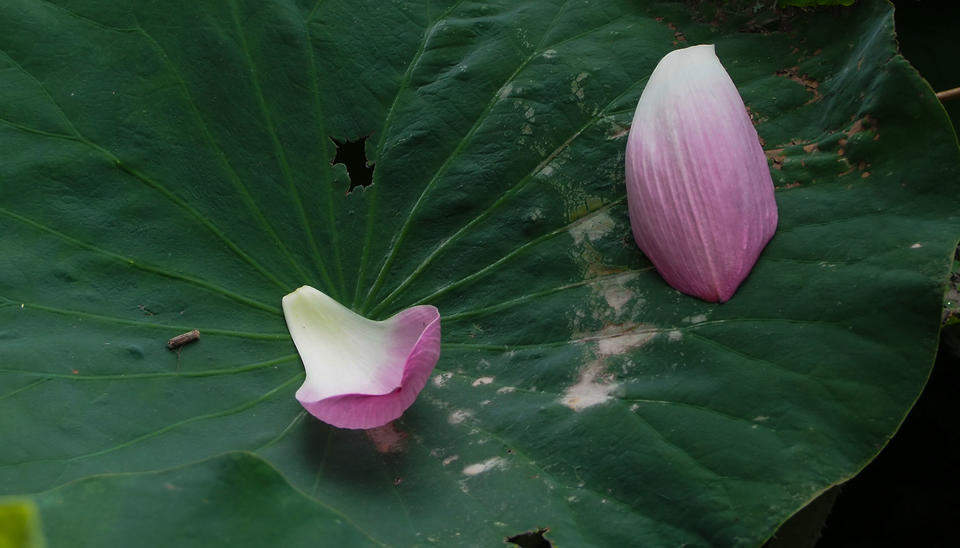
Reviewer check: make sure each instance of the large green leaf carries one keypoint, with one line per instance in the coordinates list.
(166, 166)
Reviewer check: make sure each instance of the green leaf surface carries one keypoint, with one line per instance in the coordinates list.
(166, 166)
(235, 499)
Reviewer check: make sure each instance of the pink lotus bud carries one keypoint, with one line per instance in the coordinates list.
(360, 373)
(698, 186)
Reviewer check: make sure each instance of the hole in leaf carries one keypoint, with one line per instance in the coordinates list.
(353, 155)
(531, 539)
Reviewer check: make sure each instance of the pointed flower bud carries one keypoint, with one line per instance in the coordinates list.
(360, 373)
(698, 186)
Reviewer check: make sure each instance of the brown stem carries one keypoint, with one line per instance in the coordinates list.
(948, 94)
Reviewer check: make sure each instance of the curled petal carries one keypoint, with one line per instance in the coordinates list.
(699, 190)
(360, 373)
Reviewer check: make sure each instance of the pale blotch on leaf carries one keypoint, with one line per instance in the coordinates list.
(485, 466)
(592, 228)
(594, 385)
(459, 416)
(482, 381)
(588, 391)
(615, 340)
(615, 294)
(576, 87)
(441, 379)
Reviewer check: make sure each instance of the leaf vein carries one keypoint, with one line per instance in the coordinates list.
(159, 432)
(517, 251)
(164, 191)
(134, 323)
(503, 198)
(142, 266)
(404, 83)
(232, 174)
(280, 153)
(405, 227)
(158, 375)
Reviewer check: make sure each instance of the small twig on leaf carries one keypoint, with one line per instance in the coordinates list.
(180, 340)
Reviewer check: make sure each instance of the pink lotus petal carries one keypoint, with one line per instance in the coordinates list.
(360, 373)
(698, 186)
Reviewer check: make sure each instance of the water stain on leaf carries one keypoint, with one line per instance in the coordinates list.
(387, 438)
